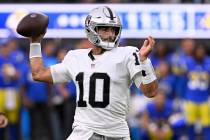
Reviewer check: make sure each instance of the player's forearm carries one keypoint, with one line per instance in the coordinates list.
(149, 83)
(149, 90)
(39, 71)
(37, 67)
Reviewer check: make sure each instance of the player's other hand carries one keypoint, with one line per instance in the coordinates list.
(3, 121)
(36, 39)
(146, 49)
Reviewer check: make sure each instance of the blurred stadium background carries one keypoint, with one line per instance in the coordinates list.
(181, 58)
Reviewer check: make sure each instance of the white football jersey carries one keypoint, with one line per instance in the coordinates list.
(102, 87)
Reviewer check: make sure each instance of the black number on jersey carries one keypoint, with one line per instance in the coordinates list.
(80, 78)
(92, 90)
(136, 59)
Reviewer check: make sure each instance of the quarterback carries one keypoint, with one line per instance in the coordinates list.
(102, 74)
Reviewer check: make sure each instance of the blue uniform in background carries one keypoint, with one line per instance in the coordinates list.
(39, 113)
(198, 81)
(35, 91)
(9, 91)
(163, 114)
(197, 94)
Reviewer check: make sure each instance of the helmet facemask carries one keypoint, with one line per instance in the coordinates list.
(111, 41)
(98, 18)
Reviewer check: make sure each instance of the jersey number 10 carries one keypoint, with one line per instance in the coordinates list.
(92, 90)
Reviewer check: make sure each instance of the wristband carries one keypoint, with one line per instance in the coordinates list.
(148, 73)
(35, 50)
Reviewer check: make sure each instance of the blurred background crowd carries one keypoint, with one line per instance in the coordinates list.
(38, 111)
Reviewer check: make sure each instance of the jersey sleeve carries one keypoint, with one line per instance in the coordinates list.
(133, 63)
(137, 79)
(60, 72)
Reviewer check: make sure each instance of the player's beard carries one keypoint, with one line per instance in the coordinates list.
(109, 39)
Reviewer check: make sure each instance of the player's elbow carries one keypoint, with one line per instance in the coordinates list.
(42, 76)
(35, 76)
(150, 94)
(150, 90)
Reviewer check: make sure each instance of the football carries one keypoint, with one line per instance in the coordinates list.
(33, 25)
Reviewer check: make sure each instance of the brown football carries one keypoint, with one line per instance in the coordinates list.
(33, 24)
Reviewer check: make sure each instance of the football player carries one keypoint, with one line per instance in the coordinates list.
(196, 105)
(102, 75)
